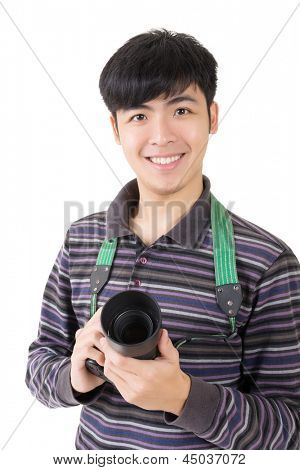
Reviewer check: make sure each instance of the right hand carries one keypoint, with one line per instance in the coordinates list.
(87, 339)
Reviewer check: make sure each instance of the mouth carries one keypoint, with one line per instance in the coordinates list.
(163, 164)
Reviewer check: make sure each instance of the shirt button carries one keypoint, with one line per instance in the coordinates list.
(137, 282)
(143, 260)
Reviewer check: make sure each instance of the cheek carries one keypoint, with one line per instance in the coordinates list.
(199, 131)
(133, 149)
(132, 144)
(194, 131)
(198, 138)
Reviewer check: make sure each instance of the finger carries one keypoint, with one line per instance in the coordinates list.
(98, 356)
(127, 377)
(94, 321)
(97, 314)
(77, 333)
(128, 364)
(89, 338)
(89, 353)
(115, 377)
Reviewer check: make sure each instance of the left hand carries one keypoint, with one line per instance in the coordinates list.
(153, 384)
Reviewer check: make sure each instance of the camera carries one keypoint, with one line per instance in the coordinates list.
(131, 322)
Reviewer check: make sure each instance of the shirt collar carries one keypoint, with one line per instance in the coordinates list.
(188, 232)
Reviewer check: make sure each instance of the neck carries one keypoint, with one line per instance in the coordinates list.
(156, 214)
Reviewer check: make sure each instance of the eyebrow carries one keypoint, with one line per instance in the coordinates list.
(176, 99)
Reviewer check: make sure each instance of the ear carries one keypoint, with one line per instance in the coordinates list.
(214, 117)
(115, 129)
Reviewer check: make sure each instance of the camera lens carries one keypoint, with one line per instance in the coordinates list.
(131, 321)
(131, 327)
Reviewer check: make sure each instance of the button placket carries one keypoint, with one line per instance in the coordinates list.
(141, 260)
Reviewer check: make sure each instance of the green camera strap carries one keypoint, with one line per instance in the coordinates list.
(228, 289)
(101, 271)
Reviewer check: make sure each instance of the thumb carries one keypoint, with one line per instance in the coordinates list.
(95, 318)
(98, 312)
(165, 344)
(77, 333)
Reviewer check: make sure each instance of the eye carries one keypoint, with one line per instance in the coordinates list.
(132, 119)
(184, 109)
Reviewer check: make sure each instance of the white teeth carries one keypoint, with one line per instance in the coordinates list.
(165, 161)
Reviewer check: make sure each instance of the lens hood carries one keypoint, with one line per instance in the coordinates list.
(131, 322)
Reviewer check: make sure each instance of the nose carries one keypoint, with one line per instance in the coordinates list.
(161, 132)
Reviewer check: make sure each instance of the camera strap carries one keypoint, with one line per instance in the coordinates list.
(228, 289)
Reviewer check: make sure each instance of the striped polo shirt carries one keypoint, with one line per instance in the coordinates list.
(245, 389)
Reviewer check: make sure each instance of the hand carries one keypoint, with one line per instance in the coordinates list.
(157, 384)
(87, 340)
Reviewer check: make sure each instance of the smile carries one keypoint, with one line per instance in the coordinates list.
(168, 163)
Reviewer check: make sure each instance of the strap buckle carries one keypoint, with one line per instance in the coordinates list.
(99, 277)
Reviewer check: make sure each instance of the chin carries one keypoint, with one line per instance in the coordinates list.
(165, 187)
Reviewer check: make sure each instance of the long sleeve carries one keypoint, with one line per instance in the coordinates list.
(264, 413)
(49, 363)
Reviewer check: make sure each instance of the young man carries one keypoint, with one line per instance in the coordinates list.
(241, 392)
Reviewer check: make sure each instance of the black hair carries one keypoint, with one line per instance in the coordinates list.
(154, 63)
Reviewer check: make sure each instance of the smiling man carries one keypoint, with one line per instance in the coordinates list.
(164, 141)
(239, 386)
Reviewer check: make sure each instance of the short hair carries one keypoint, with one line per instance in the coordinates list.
(154, 63)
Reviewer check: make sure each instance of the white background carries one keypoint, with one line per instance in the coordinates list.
(55, 135)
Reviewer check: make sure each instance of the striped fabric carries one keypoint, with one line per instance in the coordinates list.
(245, 391)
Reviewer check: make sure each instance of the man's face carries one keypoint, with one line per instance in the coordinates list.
(161, 127)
